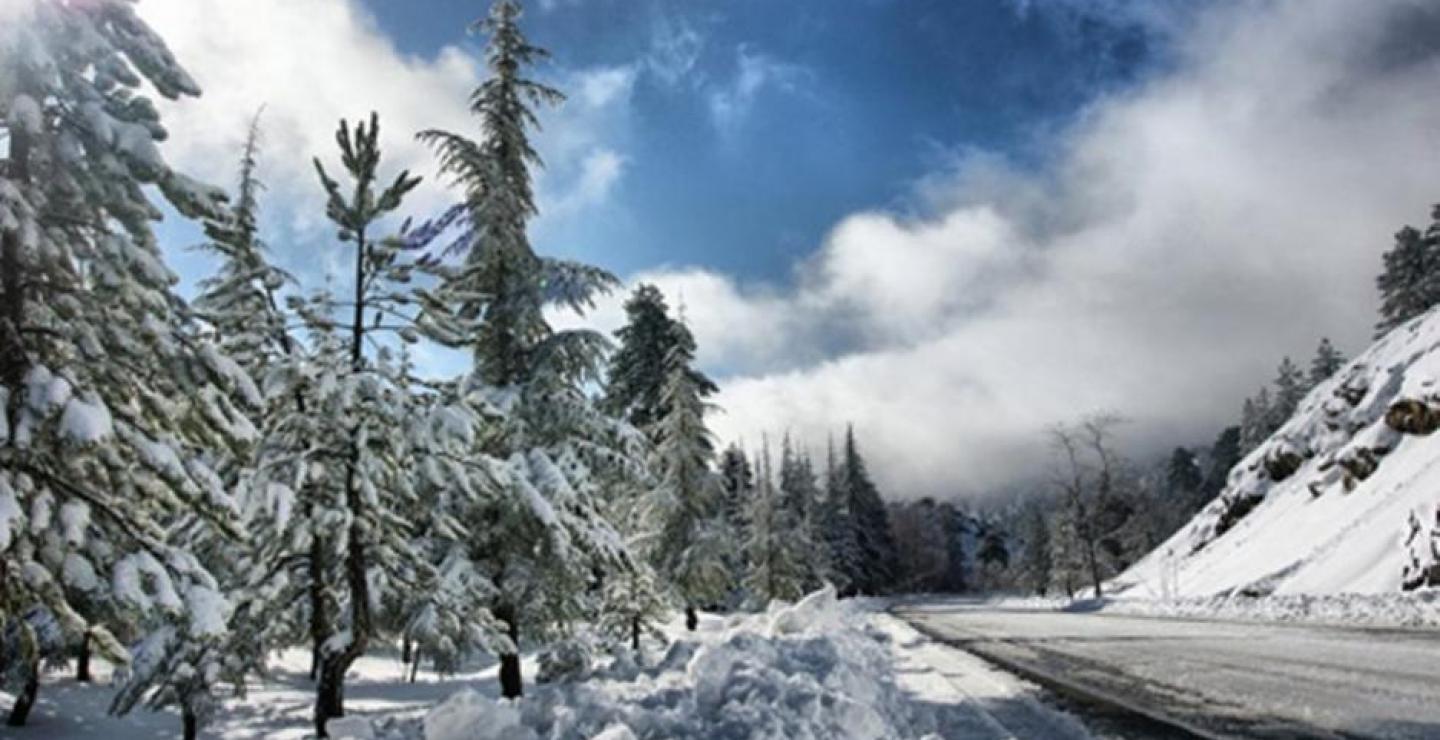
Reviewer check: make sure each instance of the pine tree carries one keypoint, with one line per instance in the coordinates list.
(543, 539)
(1037, 557)
(1326, 363)
(241, 306)
(1408, 284)
(636, 379)
(113, 406)
(1182, 474)
(1257, 421)
(869, 521)
(841, 545)
(1290, 390)
(774, 566)
(690, 549)
(737, 487)
(1224, 455)
(799, 499)
(369, 395)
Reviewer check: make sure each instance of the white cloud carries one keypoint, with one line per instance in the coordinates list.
(1190, 233)
(675, 48)
(731, 103)
(311, 63)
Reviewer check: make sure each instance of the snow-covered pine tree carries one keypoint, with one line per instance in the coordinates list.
(875, 547)
(1257, 421)
(799, 495)
(840, 543)
(113, 408)
(1290, 390)
(1408, 283)
(1327, 362)
(636, 379)
(692, 539)
(543, 540)
(370, 476)
(737, 487)
(774, 566)
(242, 307)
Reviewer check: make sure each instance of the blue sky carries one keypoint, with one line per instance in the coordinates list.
(847, 105)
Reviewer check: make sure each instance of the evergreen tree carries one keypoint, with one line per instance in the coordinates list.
(370, 401)
(840, 541)
(542, 540)
(1408, 284)
(114, 409)
(798, 500)
(737, 489)
(636, 380)
(690, 549)
(1327, 362)
(1257, 421)
(1036, 559)
(1182, 474)
(1290, 390)
(1225, 454)
(869, 521)
(774, 565)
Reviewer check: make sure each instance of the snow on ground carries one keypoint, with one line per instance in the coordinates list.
(1420, 609)
(821, 668)
(971, 698)
(279, 708)
(1333, 491)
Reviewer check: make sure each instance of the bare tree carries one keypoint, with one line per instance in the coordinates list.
(1083, 482)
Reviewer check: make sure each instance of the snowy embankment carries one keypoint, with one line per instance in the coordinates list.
(1340, 500)
(820, 668)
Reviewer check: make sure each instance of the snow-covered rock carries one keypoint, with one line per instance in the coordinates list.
(1341, 499)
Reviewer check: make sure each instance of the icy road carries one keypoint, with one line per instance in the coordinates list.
(1217, 679)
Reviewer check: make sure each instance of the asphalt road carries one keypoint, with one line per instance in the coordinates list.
(1216, 679)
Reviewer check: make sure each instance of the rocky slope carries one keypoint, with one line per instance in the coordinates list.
(1344, 498)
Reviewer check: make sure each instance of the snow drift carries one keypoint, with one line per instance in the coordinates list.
(1343, 498)
(815, 669)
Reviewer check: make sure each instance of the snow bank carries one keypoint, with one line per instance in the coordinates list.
(1420, 610)
(1327, 504)
(817, 669)
(469, 716)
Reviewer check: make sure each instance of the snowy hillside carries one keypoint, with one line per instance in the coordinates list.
(1342, 499)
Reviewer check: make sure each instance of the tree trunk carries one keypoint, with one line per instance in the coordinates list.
(25, 701)
(190, 723)
(512, 685)
(319, 624)
(330, 694)
(635, 634)
(14, 360)
(415, 665)
(82, 662)
(405, 650)
(692, 618)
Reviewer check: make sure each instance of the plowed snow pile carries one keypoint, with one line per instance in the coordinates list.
(1342, 499)
(816, 669)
